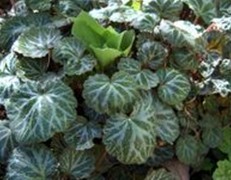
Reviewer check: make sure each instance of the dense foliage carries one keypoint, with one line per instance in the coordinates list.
(115, 89)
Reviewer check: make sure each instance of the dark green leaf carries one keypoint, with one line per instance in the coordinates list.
(9, 81)
(166, 124)
(131, 139)
(167, 9)
(7, 141)
(106, 94)
(12, 28)
(41, 5)
(152, 53)
(174, 86)
(186, 149)
(27, 163)
(77, 164)
(202, 8)
(81, 134)
(144, 78)
(36, 43)
(72, 54)
(33, 69)
(160, 174)
(38, 110)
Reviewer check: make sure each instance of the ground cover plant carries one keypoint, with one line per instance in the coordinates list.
(115, 89)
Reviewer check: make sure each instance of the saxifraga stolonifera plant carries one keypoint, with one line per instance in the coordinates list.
(115, 89)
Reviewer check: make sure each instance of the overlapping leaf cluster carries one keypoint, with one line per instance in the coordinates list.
(90, 88)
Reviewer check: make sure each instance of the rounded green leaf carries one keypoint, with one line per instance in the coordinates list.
(166, 124)
(72, 55)
(36, 43)
(186, 149)
(160, 174)
(203, 8)
(223, 171)
(174, 86)
(7, 141)
(106, 94)
(131, 139)
(144, 78)
(166, 9)
(27, 163)
(81, 134)
(9, 81)
(38, 110)
(77, 164)
(152, 53)
(32, 69)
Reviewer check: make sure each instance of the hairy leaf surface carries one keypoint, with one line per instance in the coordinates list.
(38, 110)
(202, 8)
(7, 141)
(131, 139)
(12, 28)
(145, 78)
(36, 43)
(167, 9)
(81, 134)
(36, 162)
(72, 55)
(32, 69)
(9, 81)
(166, 124)
(106, 94)
(152, 53)
(41, 5)
(160, 174)
(174, 86)
(77, 164)
(186, 149)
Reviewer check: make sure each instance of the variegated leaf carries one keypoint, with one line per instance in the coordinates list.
(72, 54)
(174, 86)
(36, 43)
(12, 28)
(144, 78)
(40, 109)
(152, 53)
(27, 163)
(77, 164)
(202, 8)
(31, 69)
(167, 9)
(7, 141)
(107, 95)
(166, 124)
(160, 174)
(81, 134)
(131, 139)
(187, 149)
(9, 81)
(41, 5)
(182, 34)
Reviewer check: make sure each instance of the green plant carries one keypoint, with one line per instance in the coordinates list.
(116, 89)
